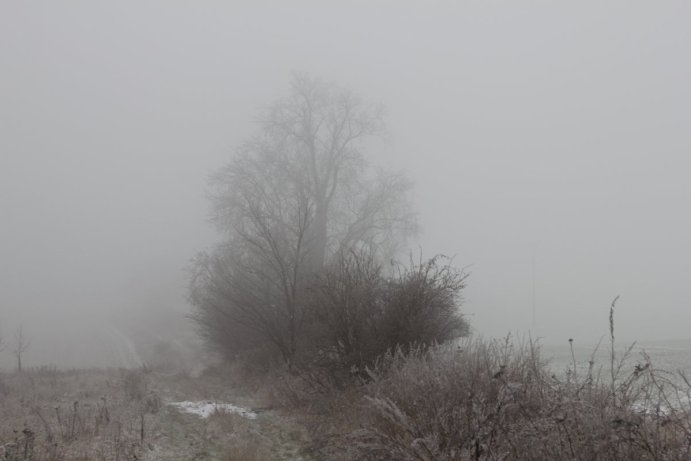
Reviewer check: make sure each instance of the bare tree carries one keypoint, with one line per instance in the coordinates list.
(21, 344)
(294, 196)
(305, 177)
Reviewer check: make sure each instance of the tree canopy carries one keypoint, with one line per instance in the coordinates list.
(303, 186)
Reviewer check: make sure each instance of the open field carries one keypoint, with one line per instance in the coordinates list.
(401, 410)
(118, 414)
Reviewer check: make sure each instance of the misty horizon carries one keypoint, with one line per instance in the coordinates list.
(547, 144)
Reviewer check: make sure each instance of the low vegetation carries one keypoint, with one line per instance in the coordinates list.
(125, 415)
(472, 399)
(52, 415)
(494, 401)
(498, 400)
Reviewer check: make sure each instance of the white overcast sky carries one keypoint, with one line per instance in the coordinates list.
(552, 135)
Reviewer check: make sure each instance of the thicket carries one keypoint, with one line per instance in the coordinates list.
(358, 313)
(354, 312)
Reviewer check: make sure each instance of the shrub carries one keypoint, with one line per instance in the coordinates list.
(346, 313)
(234, 306)
(357, 313)
(422, 305)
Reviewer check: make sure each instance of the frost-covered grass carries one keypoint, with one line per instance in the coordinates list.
(46, 414)
(497, 400)
(117, 414)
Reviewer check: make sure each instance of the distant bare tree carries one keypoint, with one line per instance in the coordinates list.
(295, 196)
(21, 344)
(305, 179)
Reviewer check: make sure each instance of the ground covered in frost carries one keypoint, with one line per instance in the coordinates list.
(117, 414)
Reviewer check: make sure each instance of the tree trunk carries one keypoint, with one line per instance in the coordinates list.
(319, 237)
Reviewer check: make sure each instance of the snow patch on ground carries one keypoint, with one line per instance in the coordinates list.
(205, 408)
